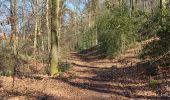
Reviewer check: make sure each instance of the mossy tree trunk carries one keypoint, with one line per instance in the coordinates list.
(54, 36)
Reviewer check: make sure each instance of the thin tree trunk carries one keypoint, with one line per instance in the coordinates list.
(96, 25)
(48, 25)
(13, 4)
(160, 5)
(131, 7)
(90, 14)
(23, 18)
(36, 27)
(13, 11)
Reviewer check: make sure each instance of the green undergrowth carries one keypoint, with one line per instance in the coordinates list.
(8, 62)
(154, 84)
(158, 50)
(64, 66)
(117, 30)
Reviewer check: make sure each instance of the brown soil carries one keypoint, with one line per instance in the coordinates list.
(122, 78)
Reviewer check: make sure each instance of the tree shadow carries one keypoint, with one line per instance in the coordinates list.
(116, 90)
(33, 95)
(91, 54)
(124, 82)
(30, 77)
(85, 66)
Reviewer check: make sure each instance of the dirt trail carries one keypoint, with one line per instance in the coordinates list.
(90, 79)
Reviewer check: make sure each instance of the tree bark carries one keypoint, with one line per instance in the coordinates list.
(160, 5)
(23, 18)
(36, 27)
(95, 18)
(48, 25)
(13, 10)
(54, 36)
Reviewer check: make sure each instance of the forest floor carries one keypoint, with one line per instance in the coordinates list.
(122, 78)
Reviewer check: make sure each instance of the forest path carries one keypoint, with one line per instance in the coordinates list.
(90, 79)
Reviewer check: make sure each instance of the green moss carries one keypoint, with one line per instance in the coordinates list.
(54, 68)
(8, 61)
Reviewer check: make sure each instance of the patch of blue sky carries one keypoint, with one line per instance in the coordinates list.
(75, 6)
(79, 7)
(4, 13)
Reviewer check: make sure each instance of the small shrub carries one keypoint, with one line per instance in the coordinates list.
(153, 84)
(8, 73)
(7, 63)
(64, 66)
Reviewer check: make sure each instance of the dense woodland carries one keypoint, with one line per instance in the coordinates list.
(84, 49)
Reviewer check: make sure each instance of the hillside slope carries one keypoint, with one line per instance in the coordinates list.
(121, 78)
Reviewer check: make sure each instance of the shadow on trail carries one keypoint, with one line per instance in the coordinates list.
(89, 55)
(32, 96)
(104, 88)
(124, 82)
(85, 66)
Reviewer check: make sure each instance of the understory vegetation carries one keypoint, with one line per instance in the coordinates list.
(119, 28)
(84, 49)
(116, 31)
(158, 50)
(110, 32)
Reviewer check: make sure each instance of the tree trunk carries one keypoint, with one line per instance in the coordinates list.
(160, 4)
(160, 7)
(131, 7)
(48, 25)
(95, 17)
(54, 36)
(23, 18)
(13, 5)
(36, 27)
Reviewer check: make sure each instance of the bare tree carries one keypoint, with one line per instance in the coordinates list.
(13, 5)
(48, 24)
(54, 36)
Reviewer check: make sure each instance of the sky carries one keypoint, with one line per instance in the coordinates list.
(5, 12)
